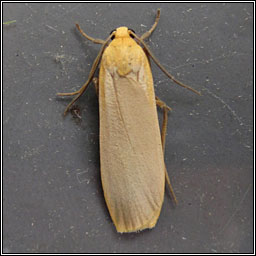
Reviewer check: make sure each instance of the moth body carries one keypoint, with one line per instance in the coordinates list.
(132, 164)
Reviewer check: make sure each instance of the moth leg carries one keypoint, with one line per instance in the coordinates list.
(148, 33)
(165, 108)
(95, 81)
(94, 40)
(68, 93)
(162, 104)
(83, 88)
(78, 93)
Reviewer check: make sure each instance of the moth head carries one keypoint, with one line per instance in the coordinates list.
(121, 32)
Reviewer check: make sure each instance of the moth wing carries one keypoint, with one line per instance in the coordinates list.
(132, 164)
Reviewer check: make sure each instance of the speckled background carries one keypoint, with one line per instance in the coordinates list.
(52, 195)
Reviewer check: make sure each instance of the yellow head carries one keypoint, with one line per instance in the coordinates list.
(121, 32)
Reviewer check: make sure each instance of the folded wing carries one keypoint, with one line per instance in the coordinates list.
(132, 164)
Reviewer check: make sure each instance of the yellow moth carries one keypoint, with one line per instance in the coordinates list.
(133, 171)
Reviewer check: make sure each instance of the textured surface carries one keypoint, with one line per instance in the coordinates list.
(53, 200)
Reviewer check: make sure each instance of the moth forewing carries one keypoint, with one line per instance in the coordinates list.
(132, 164)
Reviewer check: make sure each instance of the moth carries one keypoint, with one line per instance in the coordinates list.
(133, 171)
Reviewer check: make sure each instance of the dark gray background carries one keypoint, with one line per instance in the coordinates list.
(53, 200)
